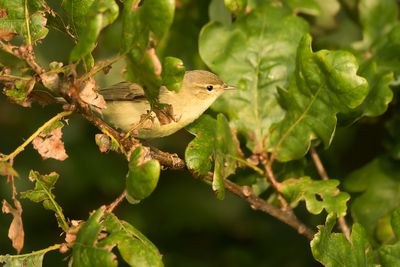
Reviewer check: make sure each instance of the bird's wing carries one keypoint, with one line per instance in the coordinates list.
(123, 91)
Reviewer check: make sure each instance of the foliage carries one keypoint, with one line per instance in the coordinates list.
(309, 75)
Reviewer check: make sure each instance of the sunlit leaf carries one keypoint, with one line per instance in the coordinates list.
(325, 83)
(334, 250)
(144, 27)
(99, 14)
(173, 72)
(379, 96)
(256, 53)
(142, 177)
(318, 195)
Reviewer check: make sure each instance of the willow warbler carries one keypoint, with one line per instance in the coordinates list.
(129, 110)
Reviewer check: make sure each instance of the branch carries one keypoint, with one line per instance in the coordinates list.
(260, 204)
(25, 53)
(324, 176)
(271, 178)
(4, 258)
(35, 134)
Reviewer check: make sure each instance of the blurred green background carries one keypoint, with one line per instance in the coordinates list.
(182, 217)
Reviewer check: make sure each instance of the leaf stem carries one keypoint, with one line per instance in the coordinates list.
(324, 176)
(35, 134)
(59, 214)
(33, 253)
(115, 203)
(251, 166)
(318, 164)
(271, 178)
(100, 66)
(28, 30)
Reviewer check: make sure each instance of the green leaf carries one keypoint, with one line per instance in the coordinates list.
(214, 141)
(334, 250)
(15, 19)
(85, 251)
(6, 169)
(325, 83)
(142, 177)
(30, 260)
(378, 187)
(255, 53)
(199, 152)
(77, 11)
(218, 12)
(99, 15)
(133, 246)
(173, 72)
(309, 7)
(143, 28)
(44, 185)
(226, 151)
(318, 195)
(374, 24)
(379, 96)
(390, 254)
(387, 51)
(19, 91)
(101, 233)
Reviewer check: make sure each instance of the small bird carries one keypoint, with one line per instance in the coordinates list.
(129, 110)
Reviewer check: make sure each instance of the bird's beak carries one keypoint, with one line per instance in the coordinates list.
(229, 87)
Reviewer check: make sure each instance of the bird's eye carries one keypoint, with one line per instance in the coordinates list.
(210, 87)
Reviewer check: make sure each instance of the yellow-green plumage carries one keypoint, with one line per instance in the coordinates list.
(126, 104)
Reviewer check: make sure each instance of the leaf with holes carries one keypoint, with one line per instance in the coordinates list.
(15, 14)
(103, 232)
(44, 185)
(318, 195)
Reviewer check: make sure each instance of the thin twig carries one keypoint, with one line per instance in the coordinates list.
(115, 203)
(271, 178)
(318, 164)
(260, 204)
(35, 134)
(33, 253)
(101, 66)
(324, 176)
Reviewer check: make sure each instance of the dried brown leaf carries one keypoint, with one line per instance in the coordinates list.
(7, 35)
(16, 231)
(89, 95)
(50, 145)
